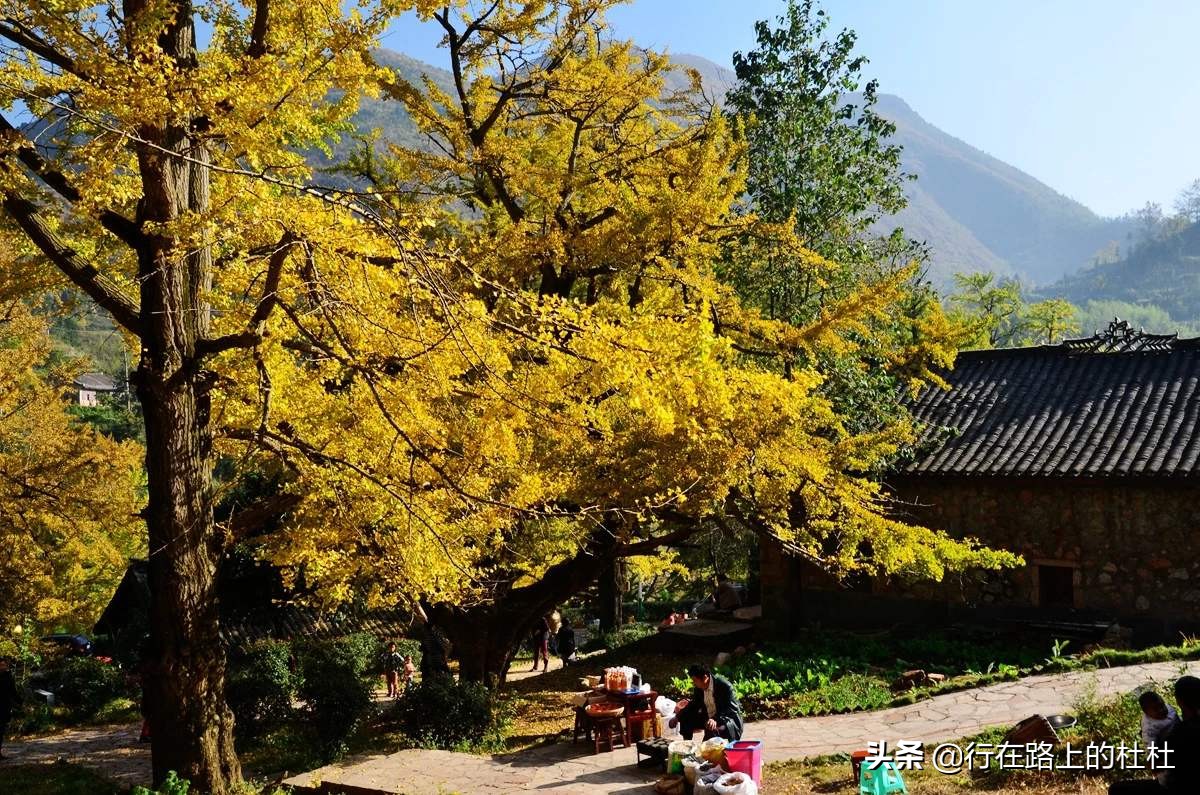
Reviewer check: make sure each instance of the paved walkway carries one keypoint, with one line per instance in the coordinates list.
(566, 769)
(114, 751)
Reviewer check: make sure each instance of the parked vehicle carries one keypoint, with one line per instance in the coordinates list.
(71, 644)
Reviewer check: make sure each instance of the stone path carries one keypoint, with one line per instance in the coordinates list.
(566, 769)
(114, 751)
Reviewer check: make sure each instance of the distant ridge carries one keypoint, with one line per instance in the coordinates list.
(975, 212)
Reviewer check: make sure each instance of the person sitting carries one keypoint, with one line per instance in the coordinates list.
(566, 643)
(727, 596)
(1181, 766)
(713, 707)
(1158, 719)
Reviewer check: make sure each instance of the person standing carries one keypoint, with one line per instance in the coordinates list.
(410, 672)
(541, 643)
(566, 643)
(555, 621)
(9, 699)
(393, 662)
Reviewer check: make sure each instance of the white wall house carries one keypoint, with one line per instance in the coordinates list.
(91, 386)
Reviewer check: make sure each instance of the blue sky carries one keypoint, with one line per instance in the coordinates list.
(1100, 99)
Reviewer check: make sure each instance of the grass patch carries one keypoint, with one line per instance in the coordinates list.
(53, 779)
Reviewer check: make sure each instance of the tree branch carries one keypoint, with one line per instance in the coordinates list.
(266, 303)
(124, 229)
(18, 34)
(258, 33)
(256, 516)
(104, 291)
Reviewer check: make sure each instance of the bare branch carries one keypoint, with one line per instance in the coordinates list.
(104, 291)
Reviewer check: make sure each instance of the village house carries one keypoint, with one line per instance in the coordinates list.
(1082, 457)
(91, 386)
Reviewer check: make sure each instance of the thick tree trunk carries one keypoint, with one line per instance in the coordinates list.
(191, 727)
(612, 594)
(487, 636)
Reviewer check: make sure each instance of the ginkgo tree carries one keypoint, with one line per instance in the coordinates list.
(69, 497)
(634, 399)
(480, 378)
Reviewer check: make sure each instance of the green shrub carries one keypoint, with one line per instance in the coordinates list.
(845, 694)
(443, 713)
(121, 709)
(33, 716)
(336, 688)
(616, 638)
(362, 651)
(261, 687)
(1112, 719)
(173, 785)
(85, 684)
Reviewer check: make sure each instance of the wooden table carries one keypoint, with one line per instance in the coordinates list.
(632, 702)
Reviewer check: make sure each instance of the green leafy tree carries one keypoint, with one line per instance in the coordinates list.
(818, 158)
(996, 313)
(990, 307)
(820, 167)
(1049, 321)
(1188, 202)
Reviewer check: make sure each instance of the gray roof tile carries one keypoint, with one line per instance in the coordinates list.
(1114, 405)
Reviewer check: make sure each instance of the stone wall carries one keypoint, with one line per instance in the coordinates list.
(1134, 549)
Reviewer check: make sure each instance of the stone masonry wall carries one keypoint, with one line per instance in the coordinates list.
(1135, 547)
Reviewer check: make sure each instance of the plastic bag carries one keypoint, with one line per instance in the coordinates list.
(691, 770)
(670, 785)
(677, 751)
(735, 784)
(713, 749)
(664, 706)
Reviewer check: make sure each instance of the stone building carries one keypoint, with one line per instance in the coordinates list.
(1082, 457)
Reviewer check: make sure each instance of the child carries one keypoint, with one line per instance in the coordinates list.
(410, 671)
(1158, 719)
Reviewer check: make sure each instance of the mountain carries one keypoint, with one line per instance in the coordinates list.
(1157, 282)
(975, 212)
(979, 213)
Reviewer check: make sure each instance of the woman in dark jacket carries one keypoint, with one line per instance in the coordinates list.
(566, 643)
(713, 707)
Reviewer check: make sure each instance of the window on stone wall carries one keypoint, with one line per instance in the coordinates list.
(1056, 586)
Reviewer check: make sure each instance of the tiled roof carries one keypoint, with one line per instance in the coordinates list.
(97, 382)
(1120, 404)
(293, 621)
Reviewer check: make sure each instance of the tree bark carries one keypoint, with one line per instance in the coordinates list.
(611, 593)
(190, 724)
(486, 636)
